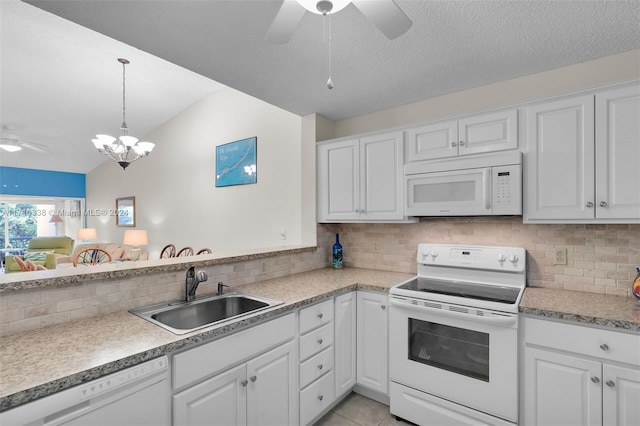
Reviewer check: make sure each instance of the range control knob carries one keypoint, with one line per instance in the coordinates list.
(513, 258)
(501, 257)
(425, 254)
(434, 254)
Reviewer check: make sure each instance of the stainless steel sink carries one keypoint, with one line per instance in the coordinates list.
(185, 317)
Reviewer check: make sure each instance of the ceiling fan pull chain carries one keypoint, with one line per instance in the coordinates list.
(330, 81)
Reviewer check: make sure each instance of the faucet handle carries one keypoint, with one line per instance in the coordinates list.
(202, 276)
(221, 288)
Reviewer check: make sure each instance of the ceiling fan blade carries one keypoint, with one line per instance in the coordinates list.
(285, 22)
(386, 15)
(35, 147)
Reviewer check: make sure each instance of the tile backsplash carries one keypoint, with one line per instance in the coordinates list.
(600, 258)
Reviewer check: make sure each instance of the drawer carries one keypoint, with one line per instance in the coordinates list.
(316, 397)
(604, 344)
(315, 341)
(316, 315)
(316, 366)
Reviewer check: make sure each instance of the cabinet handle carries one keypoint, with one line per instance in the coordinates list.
(320, 397)
(253, 378)
(320, 367)
(320, 315)
(594, 379)
(383, 307)
(454, 144)
(603, 204)
(461, 143)
(589, 204)
(604, 347)
(610, 383)
(244, 383)
(319, 341)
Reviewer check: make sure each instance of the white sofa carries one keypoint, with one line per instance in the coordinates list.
(118, 252)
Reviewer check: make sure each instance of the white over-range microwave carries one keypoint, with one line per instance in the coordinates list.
(482, 185)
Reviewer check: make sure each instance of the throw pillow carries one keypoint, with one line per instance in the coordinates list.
(36, 256)
(33, 267)
(117, 253)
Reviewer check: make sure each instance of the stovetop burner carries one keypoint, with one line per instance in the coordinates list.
(476, 291)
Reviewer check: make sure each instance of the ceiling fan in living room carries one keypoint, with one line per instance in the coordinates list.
(384, 14)
(12, 143)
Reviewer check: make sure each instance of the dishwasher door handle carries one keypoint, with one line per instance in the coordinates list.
(505, 320)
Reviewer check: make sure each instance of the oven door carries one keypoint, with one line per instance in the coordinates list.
(453, 193)
(469, 358)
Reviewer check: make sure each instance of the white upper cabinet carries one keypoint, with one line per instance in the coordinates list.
(490, 132)
(361, 179)
(582, 159)
(618, 154)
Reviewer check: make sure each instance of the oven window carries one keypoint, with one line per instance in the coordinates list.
(453, 349)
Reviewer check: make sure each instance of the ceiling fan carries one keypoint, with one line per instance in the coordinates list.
(12, 143)
(385, 14)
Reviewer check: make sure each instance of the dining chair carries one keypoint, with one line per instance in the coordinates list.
(92, 256)
(168, 251)
(204, 251)
(186, 251)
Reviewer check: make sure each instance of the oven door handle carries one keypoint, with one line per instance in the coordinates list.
(505, 321)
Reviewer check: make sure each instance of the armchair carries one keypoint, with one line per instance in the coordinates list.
(43, 251)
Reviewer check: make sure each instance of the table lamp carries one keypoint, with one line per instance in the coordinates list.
(135, 238)
(87, 234)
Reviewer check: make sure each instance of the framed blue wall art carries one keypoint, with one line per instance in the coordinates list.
(236, 162)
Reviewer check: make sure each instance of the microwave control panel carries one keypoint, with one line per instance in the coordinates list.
(507, 189)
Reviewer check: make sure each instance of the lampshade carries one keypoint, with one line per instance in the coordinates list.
(87, 234)
(135, 238)
(56, 219)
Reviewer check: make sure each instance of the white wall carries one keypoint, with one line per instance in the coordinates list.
(176, 198)
(610, 69)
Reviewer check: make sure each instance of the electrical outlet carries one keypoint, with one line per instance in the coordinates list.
(375, 247)
(560, 256)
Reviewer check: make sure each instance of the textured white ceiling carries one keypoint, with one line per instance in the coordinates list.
(452, 46)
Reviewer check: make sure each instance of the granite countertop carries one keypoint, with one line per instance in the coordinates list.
(41, 362)
(620, 313)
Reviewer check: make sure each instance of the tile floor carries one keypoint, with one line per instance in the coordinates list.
(357, 410)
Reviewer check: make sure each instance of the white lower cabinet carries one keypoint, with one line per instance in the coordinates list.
(211, 388)
(345, 342)
(372, 341)
(580, 376)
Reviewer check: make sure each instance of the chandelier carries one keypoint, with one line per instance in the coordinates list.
(125, 149)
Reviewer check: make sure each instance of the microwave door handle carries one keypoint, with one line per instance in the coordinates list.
(486, 188)
(505, 321)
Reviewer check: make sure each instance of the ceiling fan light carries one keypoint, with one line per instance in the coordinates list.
(311, 5)
(97, 143)
(10, 148)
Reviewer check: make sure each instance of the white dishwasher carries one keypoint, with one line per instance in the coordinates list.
(139, 395)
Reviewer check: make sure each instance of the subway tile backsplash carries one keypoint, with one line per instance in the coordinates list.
(600, 258)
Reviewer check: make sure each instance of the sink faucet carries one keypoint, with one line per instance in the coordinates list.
(192, 281)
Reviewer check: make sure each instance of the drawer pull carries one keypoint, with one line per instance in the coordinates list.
(253, 378)
(594, 379)
(320, 367)
(320, 397)
(244, 383)
(383, 307)
(610, 383)
(604, 347)
(320, 315)
(320, 341)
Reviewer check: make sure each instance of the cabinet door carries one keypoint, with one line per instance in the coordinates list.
(220, 400)
(345, 342)
(272, 388)
(338, 181)
(560, 160)
(621, 396)
(372, 340)
(381, 175)
(561, 389)
(618, 154)
(488, 132)
(438, 140)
